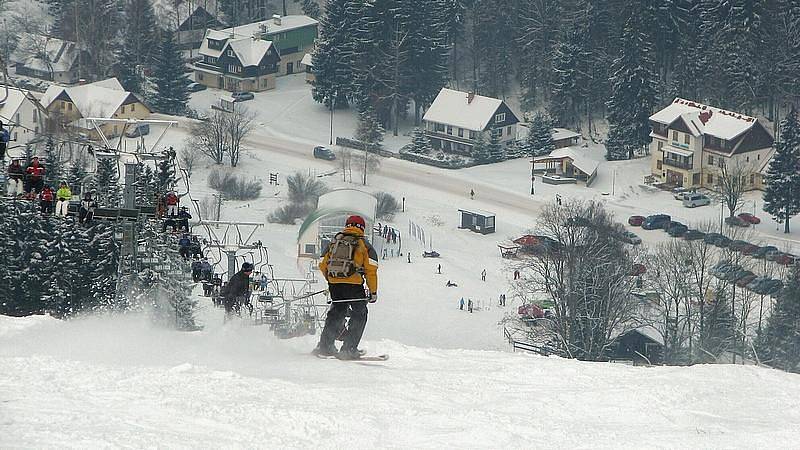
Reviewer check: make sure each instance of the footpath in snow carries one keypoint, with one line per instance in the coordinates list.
(105, 382)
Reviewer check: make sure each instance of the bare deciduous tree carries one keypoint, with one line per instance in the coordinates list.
(239, 124)
(188, 159)
(732, 184)
(210, 137)
(586, 273)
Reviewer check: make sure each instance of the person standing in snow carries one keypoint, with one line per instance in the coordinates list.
(439, 268)
(63, 196)
(461, 304)
(469, 305)
(237, 291)
(349, 261)
(472, 194)
(483, 275)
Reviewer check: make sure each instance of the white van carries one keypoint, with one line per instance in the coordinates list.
(694, 199)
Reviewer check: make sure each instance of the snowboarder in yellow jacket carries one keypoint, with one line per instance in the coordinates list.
(348, 262)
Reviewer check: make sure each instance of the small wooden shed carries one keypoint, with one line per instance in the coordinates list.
(476, 220)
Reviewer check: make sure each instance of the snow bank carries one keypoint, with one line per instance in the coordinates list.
(116, 382)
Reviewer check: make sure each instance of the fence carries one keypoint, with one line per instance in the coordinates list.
(544, 350)
(358, 145)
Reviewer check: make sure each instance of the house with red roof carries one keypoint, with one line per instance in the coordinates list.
(692, 142)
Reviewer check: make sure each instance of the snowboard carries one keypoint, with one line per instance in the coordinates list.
(383, 357)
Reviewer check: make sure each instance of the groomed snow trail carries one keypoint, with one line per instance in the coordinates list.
(117, 382)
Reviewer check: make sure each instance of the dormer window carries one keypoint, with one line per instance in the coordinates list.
(499, 118)
(230, 52)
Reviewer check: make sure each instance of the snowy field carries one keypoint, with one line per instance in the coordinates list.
(115, 382)
(451, 381)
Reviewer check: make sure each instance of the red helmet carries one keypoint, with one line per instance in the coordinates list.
(355, 221)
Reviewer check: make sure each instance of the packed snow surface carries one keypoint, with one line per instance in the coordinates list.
(103, 382)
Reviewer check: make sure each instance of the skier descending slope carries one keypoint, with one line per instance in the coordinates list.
(348, 261)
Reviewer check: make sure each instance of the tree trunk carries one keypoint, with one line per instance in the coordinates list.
(786, 222)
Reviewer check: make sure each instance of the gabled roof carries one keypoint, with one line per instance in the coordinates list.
(704, 119)
(167, 13)
(307, 60)
(98, 99)
(582, 162)
(563, 133)
(40, 53)
(290, 22)
(16, 97)
(454, 108)
(249, 51)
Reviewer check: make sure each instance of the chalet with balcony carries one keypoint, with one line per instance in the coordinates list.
(692, 141)
(455, 119)
(46, 57)
(69, 107)
(249, 57)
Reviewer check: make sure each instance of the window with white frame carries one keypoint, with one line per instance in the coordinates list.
(233, 68)
(500, 118)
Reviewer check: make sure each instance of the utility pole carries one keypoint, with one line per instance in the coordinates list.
(219, 198)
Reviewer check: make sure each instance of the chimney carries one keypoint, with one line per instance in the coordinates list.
(470, 97)
(276, 19)
(705, 115)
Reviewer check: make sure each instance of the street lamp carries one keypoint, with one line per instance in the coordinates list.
(333, 105)
(533, 178)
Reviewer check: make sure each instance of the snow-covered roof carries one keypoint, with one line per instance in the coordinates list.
(42, 53)
(307, 60)
(99, 99)
(563, 133)
(454, 108)
(645, 330)
(678, 151)
(267, 27)
(11, 104)
(582, 162)
(704, 119)
(249, 51)
(479, 212)
(168, 14)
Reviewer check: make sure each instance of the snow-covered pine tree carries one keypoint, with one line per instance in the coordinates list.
(633, 89)
(617, 147)
(494, 147)
(570, 85)
(420, 144)
(146, 185)
(539, 31)
(539, 141)
(369, 130)
(106, 183)
(717, 332)
(311, 8)
(170, 83)
(54, 173)
(333, 71)
(778, 344)
(76, 174)
(427, 52)
(453, 14)
(140, 40)
(165, 177)
(480, 150)
(782, 191)
(492, 22)
(103, 252)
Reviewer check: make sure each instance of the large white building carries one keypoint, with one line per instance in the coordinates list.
(22, 115)
(692, 142)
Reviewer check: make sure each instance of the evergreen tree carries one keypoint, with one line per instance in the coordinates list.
(169, 80)
(140, 40)
(165, 179)
(493, 22)
(782, 193)
(633, 91)
(495, 148)
(570, 83)
(480, 150)
(146, 185)
(427, 52)
(311, 8)
(779, 342)
(420, 144)
(107, 183)
(539, 141)
(539, 33)
(54, 173)
(716, 336)
(333, 71)
(617, 147)
(76, 174)
(369, 130)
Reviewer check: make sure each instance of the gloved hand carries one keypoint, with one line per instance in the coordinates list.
(372, 297)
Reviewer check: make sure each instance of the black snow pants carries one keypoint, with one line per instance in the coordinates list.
(337, 314)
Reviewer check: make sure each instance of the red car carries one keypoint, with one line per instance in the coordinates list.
(749, 249)
(638, 269)
(786, 259)
(635, 221)
(747, 217)
(531, 311)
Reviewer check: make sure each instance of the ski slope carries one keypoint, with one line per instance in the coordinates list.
(105, 382)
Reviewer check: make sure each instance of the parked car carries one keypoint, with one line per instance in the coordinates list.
(737, 245)
(678, 192)
(635, 221)
(630, 238)
(761, 253)
(786, 259)
(717, 240)
(196, 87)
(723, 268)
(765, 286)
(745, 279)
(749, 249)
(694, 235)
(749, 218)
(138, 130)
(677, 229)
(323, 152)
(734, 275)
(242, 96)
(734, 221)
(694, 200)
(655, 221)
